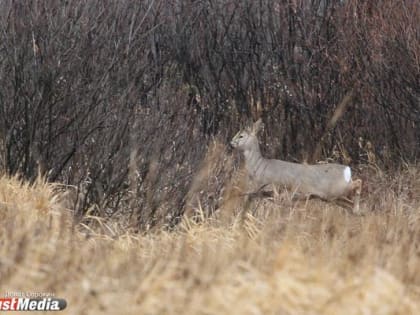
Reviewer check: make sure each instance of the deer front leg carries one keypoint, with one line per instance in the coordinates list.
(356, 187)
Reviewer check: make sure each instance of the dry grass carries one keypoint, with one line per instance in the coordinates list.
(299, 258)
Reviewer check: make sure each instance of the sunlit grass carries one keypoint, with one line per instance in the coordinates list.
(264, 257)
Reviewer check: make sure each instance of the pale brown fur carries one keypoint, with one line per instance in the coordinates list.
(327, 181)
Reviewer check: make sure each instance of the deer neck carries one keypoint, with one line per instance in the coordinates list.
(253, 158)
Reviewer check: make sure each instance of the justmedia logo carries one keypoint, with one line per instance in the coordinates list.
(27, 304)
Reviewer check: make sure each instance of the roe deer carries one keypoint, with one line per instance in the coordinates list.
(325, 181)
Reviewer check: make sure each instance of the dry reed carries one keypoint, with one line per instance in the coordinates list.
(299, 258)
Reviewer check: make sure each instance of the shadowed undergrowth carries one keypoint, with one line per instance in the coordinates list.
(300, 258)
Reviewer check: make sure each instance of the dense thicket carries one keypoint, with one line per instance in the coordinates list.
(121, 98)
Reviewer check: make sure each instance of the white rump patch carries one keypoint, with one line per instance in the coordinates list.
(347, 174)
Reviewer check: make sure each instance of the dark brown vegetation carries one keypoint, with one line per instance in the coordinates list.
(120, 99)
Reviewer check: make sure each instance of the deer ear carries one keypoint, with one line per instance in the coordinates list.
(257, 127)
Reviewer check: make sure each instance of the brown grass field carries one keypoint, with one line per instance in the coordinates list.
(268, 257)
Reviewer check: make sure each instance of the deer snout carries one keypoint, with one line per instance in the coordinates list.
(233, 144)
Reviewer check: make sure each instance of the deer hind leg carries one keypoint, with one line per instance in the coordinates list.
(356, 187)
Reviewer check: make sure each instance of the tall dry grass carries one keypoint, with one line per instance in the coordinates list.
(264, 257)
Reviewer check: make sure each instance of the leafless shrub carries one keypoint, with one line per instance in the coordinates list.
(120, 99)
